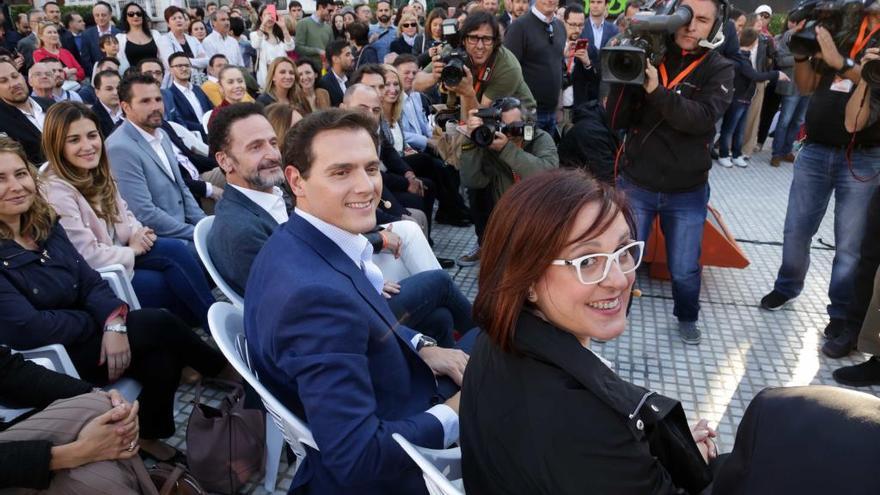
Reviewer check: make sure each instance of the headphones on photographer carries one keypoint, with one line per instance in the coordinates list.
(716, 35)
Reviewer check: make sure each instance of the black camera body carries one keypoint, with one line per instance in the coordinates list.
(455, 59)
(644, 39)
(833, 15)
(484, 135)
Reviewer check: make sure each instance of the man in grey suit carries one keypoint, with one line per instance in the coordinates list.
(28, 44)
(144, 164)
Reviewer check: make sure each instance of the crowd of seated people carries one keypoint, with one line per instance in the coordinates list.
(320, 146)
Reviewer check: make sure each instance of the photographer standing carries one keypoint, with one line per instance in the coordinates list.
(489, 171)
(490, 71)
(665, 162)
(832, 161)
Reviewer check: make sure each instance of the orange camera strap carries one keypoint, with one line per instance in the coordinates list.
(664, 77)
(863, 38)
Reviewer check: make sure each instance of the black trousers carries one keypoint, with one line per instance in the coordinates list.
(482, 203)
(867, 268)
(446, 181)
(768, 110)
(161, 345)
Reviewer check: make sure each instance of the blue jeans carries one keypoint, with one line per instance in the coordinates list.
(682, 216)
(430, 302)
(168, 276)
(733, 129)
(546, 121)
(818, 172)
(791, 117)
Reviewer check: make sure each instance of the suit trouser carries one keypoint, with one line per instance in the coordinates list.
(863, 312)
(753, 119)
(60, 423)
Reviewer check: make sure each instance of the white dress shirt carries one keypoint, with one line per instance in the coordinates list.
(114, 116)
(214, 43)
(360, 251)
(155, 142)
(190, 97)
(342, 80)
(272, 202)
(598, 30)
(37, 115)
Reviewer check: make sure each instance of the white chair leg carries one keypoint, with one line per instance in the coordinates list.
(274, 446)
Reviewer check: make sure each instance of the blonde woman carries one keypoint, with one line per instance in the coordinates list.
(101, 227)
(392, 108)
(271, 40)
(52, 296)
(410, 38)
(49, 45)
(282, 86)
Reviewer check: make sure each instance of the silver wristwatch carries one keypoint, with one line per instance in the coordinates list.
(116, 328)
(425, 341)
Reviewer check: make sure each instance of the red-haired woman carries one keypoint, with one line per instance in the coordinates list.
(540, 411)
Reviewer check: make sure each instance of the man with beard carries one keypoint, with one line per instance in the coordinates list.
(383, 32)
(21, 116)
(313, 34)
(145, 166)
(59, 77)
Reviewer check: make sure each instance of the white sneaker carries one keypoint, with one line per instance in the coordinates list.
(740, 162)
(725, 162)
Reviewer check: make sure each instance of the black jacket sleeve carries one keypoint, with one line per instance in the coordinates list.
(25, 464)
(26, 384)
(196, 187)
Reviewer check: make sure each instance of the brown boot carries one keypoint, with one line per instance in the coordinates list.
(789, 158)
(775, 161)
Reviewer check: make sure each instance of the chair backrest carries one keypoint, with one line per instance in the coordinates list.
(117, 277)
(200, 236)
(227, 327)
(438, 466)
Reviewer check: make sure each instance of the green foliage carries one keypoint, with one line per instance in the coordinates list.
(83, 10)
(777, 24)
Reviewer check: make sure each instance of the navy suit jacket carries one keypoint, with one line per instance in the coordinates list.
(326, 344)
(329, 83)
(68, 42)
(609, 30)
(107, 125)
(178, 108)
(241, 228)
(91, 52)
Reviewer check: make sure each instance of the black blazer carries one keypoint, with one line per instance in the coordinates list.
(331, 85)
(107, 125)
(805, 440)
(68, 42)
(18, 127)
(553, 419)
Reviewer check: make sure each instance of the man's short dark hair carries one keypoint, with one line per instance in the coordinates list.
(126, 87)
(200, 12)
(405, 58)
(100, 76)
(572, 8)
(323, 3)
(215, 57)
(174, 56)
(477, 19)
(221, 124)
(110, 59)
(67, 18)
(107, 38)
(105, 4)
(366, 69)
(51, 2)
(298, 141)
(384, 1)
(359, 33)
(236, 25)
(334, 49)
(294, 3)
(747, 37)
(140, 64)
(211, 3)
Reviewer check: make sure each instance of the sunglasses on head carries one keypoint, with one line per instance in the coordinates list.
(134, 13)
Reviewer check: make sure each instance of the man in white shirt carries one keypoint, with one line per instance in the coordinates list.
(145, 166)
(107, 108)
(42, 80)
(185, 103)
(221, 40)
(21, 117)
(321, 336)
(58, 91)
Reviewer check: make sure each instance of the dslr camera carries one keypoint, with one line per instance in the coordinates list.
(839, 17)
(484, 135)
(643, 40)
(453, 60)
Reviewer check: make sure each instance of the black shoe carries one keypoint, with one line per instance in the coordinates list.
(460, 221)
(841, 345)
(835, 328)
(446, 263)
(774, 301)
(860, 375)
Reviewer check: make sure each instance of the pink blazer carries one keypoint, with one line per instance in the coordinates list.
(87, 232)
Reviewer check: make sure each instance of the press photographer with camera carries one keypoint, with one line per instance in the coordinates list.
(833, 159)
(665, 161)
(504, 147)
(479, 69)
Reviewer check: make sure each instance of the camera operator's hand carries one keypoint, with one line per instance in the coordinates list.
(473, 121)
(827, 49)
(436, 67)
(465, 88)
(434, 51)
(870, 54)
(499, 142)
(652, 80)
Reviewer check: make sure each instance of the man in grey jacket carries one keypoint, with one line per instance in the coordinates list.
(144, 164)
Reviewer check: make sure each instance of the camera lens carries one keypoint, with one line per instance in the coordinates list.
(483, 136)
(453, 72)
(871, 73)
(626, 65)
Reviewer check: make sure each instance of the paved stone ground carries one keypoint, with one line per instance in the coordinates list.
(744, 349)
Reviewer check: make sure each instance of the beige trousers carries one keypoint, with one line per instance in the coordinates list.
(60, 424)
(753, 120)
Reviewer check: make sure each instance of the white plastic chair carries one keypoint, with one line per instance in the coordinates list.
(226, 323)
(117, 277)
(200, 237)
(438, 467)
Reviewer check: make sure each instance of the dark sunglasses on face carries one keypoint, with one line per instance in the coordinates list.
(134, 13)
(409, 25)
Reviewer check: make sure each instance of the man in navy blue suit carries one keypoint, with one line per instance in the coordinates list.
(599, 32)
(322, 338)
(91, 51)
(185, 103)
